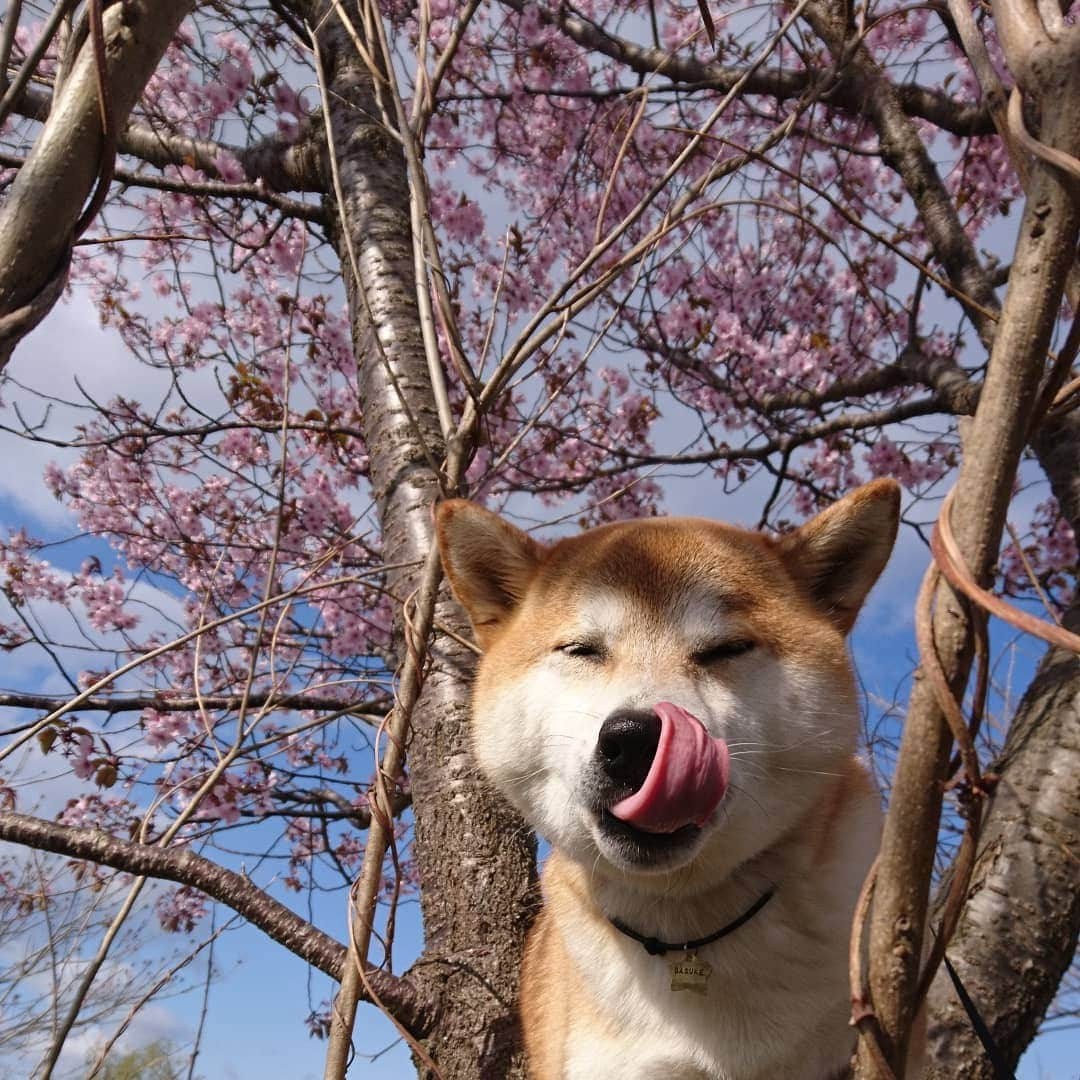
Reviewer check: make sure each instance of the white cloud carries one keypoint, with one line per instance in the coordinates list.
(160, 613)
(70, 353)
(151, 1023)
(70, 343)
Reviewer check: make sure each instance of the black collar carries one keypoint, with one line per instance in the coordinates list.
(656, 947)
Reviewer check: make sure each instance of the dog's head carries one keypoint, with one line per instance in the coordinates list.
(669, 693)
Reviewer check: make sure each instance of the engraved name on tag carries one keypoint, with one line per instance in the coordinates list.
(690, 973)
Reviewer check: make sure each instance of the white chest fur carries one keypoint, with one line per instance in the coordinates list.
(770, 1009)
(777, 1001)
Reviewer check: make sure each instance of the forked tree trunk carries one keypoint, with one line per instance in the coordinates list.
(1045, 252)
(1018, 931)
(476, 860)
(1019, 928)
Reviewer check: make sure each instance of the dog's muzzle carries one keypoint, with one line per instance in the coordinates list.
(660, 769)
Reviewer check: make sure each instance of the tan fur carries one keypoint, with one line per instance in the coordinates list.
(829, 815)
(801, 814)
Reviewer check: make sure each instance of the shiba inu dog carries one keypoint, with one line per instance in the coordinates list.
(670, 703)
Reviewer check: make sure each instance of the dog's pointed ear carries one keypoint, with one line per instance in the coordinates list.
(839, 554)
(488, 562)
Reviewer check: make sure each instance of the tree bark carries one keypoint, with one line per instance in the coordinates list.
(280, 165)
(782, 83)
(46, 198)
(182, 865)
(1023, 888)
(476, 860)
(1019, 928)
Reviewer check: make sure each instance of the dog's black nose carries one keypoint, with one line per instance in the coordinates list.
(627, 744)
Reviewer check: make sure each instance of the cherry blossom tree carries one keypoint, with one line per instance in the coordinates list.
(362, 257)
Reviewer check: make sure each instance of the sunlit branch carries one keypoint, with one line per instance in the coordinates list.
(234, 890)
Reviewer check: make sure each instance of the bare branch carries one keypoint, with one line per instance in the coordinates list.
(235, 891)
(954, 389)
(168, 701)
(358, 816)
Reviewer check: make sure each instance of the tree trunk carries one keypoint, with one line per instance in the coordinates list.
(1020, 925)
(1045, 251)
(475, 858)
(477, 862)
(47, 196)
(1018, 931)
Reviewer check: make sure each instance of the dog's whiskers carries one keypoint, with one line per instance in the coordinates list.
(744, 792)
(808, 772)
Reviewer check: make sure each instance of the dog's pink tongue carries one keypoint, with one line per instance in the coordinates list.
(687, 779)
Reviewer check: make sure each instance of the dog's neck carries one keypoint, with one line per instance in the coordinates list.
(667, 910)
(656, 947)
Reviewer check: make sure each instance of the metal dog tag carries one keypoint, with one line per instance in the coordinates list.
(690, 973)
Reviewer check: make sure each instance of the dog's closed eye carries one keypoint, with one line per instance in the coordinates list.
(722, 650)
(582, 650)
